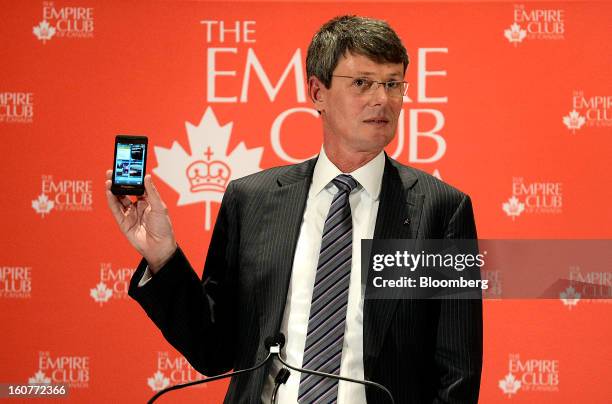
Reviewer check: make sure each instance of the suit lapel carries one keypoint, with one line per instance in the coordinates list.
(282, 216)
(399, 214)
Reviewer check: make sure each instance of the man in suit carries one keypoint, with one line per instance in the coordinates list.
(284, 253)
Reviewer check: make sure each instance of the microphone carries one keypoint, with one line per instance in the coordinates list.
(272, 344)
(275, 342)
(281, 378)
(280, 337)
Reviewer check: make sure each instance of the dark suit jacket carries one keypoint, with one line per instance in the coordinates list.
(424, 351)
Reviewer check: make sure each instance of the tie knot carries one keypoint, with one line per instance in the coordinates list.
(345, 183)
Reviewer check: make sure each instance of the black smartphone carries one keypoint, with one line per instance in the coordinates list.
(130, 165)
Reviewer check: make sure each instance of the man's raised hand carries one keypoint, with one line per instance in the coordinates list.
(145, 223)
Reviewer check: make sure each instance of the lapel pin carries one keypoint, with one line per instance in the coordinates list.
(407, 221)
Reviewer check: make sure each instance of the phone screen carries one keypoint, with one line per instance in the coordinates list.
(129, 164)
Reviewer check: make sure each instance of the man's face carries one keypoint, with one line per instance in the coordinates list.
(354, 122)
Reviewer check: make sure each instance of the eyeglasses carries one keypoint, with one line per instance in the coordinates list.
(365, 86)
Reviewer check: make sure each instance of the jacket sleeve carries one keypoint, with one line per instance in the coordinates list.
(194, 315)
(458, 356)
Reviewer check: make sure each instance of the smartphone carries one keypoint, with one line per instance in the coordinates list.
(130, 165)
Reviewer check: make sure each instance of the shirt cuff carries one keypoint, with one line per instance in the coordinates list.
(146, 277)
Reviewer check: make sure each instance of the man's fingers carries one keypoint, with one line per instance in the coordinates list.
(152, 195)
(120, 203)
(114, 204)
(124, 200)
(141, 206)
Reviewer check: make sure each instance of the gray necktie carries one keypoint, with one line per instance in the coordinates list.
(323, 351)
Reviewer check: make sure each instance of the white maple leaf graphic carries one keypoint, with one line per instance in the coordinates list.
(570, 297)
(203, 174)
(509, 384)
(574, 121)
(515, 34)
(513, 207)
(42, 205)
(101, 293)
(39, 378)
(43, 31)
(158, 382)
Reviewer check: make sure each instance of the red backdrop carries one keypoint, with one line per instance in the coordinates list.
(510, 102)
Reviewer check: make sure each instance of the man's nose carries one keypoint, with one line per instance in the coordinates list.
(380, 96)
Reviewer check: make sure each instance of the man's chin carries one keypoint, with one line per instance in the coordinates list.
(381, 138)
(374, 146)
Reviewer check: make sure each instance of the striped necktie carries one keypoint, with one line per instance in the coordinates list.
(323, 350)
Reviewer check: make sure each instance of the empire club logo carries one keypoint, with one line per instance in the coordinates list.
(535, 24)
(527, 375)
(70, 370)
(114, 283)
(589, 111)
(533, 197)
(16, 107)
(172, 370)
(15, 282)
(203, 173)
(64, 22)
(587, 286)
(63, 195)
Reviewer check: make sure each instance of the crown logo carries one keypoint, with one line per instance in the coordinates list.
(574, 121)
(42, 205)
(39, 378)
(208, 175)
(101, 293)
(43, 31)
(198, 180)
(158, 382)
(513, 207)
(515, 34)
(570, 297)
(509, 385)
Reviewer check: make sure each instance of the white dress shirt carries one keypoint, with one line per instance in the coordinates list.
(364, 202)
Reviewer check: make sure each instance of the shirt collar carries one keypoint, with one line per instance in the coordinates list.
(369, 175)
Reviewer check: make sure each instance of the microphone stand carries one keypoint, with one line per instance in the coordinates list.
(272, 344)
(209, 379)
(276, 354)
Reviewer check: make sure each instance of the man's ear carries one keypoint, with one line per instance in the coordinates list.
(316, 91)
